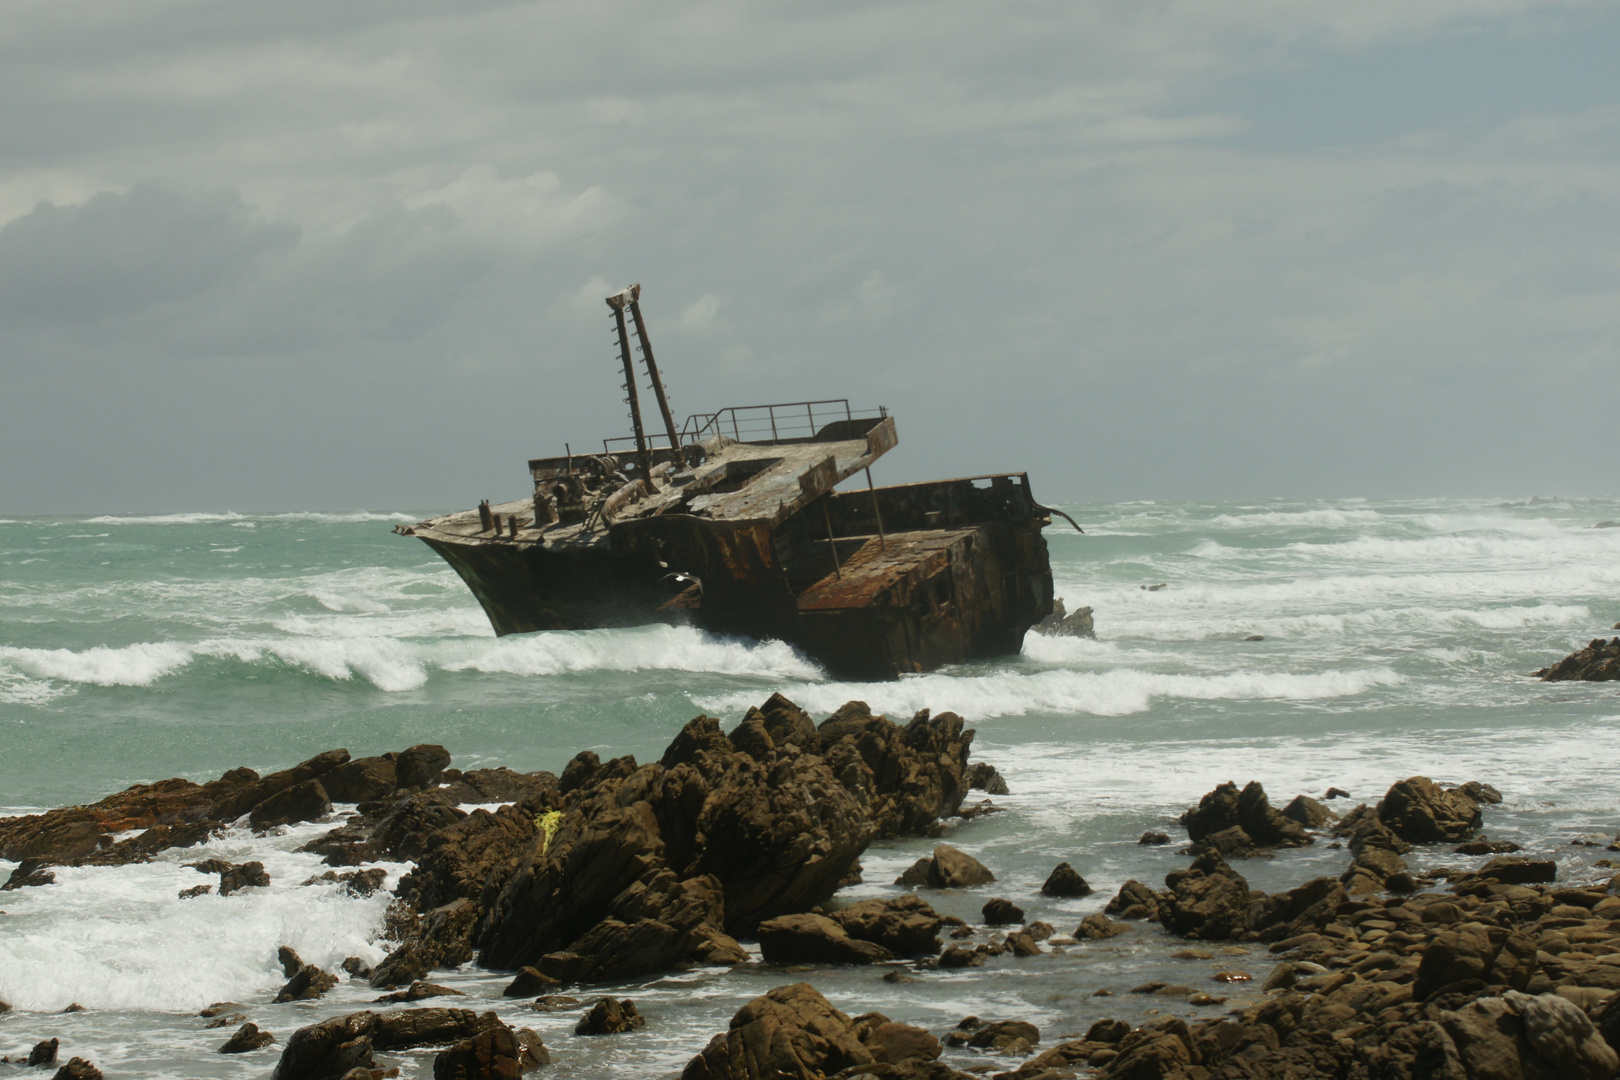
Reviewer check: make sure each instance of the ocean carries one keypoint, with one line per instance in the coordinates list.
(1396, 638)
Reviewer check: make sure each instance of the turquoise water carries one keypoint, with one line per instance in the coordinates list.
(1397, 638)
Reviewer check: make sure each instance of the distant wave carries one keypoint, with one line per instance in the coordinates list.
(227, 516)
(1109, 693)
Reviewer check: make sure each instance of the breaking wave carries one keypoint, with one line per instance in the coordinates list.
(35, 676)
(1119, 692)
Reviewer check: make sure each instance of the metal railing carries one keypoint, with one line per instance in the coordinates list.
(787, 421)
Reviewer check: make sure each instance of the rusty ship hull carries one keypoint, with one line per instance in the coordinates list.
(734, 525)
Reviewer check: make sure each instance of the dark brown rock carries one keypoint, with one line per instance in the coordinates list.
(421, 765)
(307, 801)
(814, 939)
(790, 1032)
(610, 1017)
(1099, 927)
(1599, 661)
(492, 1054)
(982, 776)
(999, 912)
(1135, 901)
(1154, 839)
(1228, 808)
(1309, 813)
(1419, 811)
(333, 1047)
(947, 868)
(904, 925)
(528, 982)
(248, 1037)
(1208, 901)
(361, 780)
(247, 875)
(43, 1053)
(29, 873)
(1005, 1036)
(1065, 880)
(419, 991)
(77, 1069)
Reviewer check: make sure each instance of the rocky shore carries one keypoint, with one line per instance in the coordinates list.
(730, 849)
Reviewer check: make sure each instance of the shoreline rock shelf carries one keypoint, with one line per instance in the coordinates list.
(615, 870)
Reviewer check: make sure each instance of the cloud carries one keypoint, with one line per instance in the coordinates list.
(375, 240)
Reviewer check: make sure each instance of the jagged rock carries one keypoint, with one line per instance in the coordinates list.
(1154, 839)
(442, 938)
(609, 1017)
(1598, 662)
(307, 801)
(890, 1043)
(1063, 624)
(1209, 901)
(532, 1053)
(43, 1053)
(999, 912)
(1227, 808)
(248, 1037)
(947, 868)
(247, 875)
(1135, 901)
(333, 1047)
(958, 957)
(528, 982)
(28, 873)
(814, 939)
(1005, 1036)
(1516, 871)
(493, 1054)
(361, 780)
(305, 982)
(1065, 880)
(195, 891)
(421, 765)
(357, 968)
(1421, 812)
(661, 921)
(1499, 1037)
(1309, 813)
(499, 785)
(791, 1031)
(77, 1069)
(354, 882)
(903, 925)
(982, 776)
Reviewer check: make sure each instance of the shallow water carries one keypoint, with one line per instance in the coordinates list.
(1397, 638)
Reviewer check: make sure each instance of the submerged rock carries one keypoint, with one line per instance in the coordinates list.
(248, 1038)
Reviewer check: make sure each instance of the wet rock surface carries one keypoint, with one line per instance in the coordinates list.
(1599, 661)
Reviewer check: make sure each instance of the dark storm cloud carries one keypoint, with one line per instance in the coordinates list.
(355, 254)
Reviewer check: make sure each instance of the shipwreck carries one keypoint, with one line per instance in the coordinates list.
(732, 522)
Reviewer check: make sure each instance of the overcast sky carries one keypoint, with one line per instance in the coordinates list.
(317, 255)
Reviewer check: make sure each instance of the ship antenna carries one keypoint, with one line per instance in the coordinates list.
(652, 373)
(617, 302)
